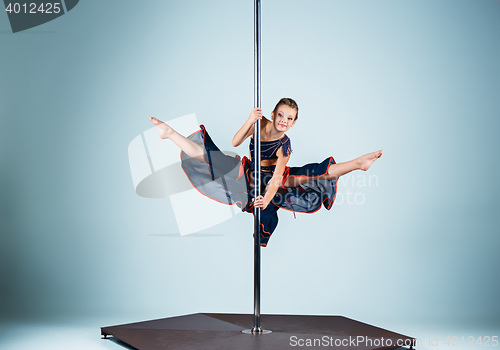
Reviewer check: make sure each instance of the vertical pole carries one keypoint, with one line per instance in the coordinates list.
(257, 171)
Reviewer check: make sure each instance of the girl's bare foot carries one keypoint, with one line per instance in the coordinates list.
(367, 160)
(163, 129)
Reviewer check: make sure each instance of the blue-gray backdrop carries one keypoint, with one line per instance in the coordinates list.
(417, 235)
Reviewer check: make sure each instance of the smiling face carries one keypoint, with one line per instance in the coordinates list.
(284, 117)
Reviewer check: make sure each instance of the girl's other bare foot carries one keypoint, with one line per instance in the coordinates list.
(163, 129)
(367, 160)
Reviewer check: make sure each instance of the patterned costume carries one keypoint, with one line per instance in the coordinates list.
(229, 180)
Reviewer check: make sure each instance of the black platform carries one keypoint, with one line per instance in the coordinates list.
(207, 331)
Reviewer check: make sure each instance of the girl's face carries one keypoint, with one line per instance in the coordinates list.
(284, 118)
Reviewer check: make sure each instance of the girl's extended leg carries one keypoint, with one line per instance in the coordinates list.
(339, 169)
(187, 146)
(361, 163)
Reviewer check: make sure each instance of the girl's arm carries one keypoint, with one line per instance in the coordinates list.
(247, 129)
(275, 183)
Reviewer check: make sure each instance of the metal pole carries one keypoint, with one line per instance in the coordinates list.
(257, 329)
(257, 171)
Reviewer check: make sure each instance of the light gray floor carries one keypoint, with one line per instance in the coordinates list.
(24, 336)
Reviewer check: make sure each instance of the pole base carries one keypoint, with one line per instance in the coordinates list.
(256, 331)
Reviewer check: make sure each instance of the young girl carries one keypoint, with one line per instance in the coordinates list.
(230, 180)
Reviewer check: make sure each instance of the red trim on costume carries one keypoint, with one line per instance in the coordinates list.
(269, 234)
(336, 181)
(244, 160)
(285, 176)
(261, 244)
(263, 228)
